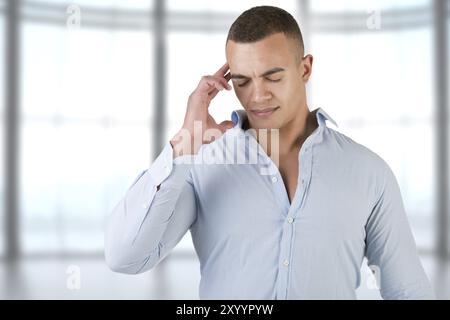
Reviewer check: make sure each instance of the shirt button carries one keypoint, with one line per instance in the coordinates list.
(285, 263)
(290, 220)
(144, 206)
(274, 179)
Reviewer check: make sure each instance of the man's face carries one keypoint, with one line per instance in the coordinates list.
(269, 79)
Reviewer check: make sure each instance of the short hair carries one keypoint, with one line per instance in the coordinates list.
(262, 21)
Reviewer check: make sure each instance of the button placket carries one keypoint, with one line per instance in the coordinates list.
(305, 175)
(284, 263)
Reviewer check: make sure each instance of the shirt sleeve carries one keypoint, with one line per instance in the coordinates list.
(147, 223)
(390, 247)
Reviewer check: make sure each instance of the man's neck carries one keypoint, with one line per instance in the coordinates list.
(294, 134)
(291, 137)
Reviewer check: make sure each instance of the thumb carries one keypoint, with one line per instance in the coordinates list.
(225, 125)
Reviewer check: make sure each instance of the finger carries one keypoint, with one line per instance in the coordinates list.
(225, 125)
(224, 83)
(207, 84)
(217, 86)
(213, 93)
(228, 76)
(216, 83)
(224, 73)
(221, 72)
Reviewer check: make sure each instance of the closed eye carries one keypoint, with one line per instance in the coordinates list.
(271, 80)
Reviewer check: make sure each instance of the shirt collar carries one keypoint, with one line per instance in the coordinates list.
(239, 116)
(322, 116)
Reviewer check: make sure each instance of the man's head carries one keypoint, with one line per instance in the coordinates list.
(265, 53)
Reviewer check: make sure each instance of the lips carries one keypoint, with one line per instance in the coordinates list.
(264, 112)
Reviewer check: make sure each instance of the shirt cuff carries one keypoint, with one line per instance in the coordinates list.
(166, 165)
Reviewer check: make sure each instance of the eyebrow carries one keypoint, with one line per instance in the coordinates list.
(265, 74)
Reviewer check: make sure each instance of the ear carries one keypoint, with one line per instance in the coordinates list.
(306, 67)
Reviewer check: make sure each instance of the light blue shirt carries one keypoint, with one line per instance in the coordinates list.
(252, 242)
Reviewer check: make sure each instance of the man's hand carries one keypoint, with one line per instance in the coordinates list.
(188, 140)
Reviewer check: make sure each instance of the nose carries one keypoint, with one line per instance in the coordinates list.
(260, 93)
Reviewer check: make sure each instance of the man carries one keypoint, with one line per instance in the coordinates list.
(300, 228)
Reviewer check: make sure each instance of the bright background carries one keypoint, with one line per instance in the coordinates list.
(87, 107)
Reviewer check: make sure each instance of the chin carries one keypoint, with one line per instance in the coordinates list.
(265, 124)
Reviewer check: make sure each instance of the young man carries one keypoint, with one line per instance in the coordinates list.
(300, 228)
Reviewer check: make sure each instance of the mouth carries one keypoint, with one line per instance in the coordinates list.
(265, 112)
